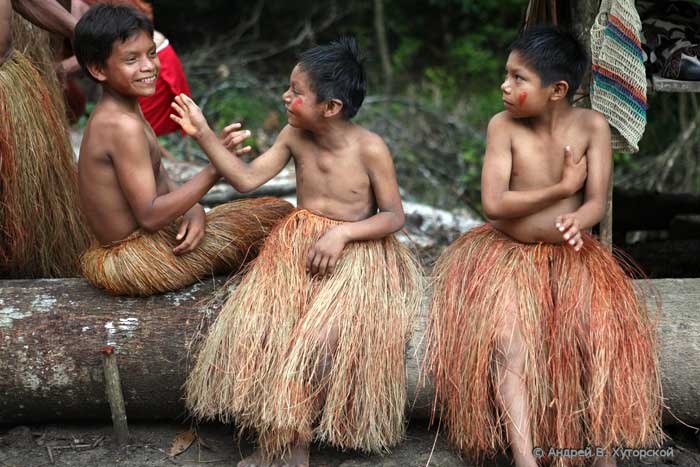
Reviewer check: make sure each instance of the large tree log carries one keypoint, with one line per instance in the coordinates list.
(51, 333)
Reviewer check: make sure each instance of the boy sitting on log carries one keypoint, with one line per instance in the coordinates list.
(153, 235)
(311, 344)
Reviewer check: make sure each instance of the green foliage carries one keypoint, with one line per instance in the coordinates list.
(82, 121)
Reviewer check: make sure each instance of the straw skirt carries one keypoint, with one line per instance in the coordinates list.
(42, 233)
(285, 339)
(144, 263)
(590, 346)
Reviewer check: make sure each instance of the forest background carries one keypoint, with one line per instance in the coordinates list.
(434, 68)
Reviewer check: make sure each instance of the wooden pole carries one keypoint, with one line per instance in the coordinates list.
(113, 389)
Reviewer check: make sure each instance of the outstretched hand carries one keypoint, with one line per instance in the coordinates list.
(232, 136)
(570, 228)
(188, 115)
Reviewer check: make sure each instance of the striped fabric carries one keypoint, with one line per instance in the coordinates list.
(619, 84)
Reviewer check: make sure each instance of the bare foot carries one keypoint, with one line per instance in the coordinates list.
(257, 459)
(298, 456)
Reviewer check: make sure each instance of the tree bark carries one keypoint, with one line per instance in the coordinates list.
(52, 333)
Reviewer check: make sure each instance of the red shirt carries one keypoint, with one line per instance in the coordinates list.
(170, 82)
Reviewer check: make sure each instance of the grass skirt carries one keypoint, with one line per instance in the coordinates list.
(42, 233)
(144, 263)
(590, 345)
(259, 363)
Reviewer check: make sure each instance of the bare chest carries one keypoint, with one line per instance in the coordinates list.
(539, 162)
(341, 170)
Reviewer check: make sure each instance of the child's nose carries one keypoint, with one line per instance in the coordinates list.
(505, 87)
(286, 96)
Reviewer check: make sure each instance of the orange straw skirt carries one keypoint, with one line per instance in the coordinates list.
(590, 345)
(260, 363)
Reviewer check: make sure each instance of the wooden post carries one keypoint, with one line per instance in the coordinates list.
(583, 14)
(113, 389)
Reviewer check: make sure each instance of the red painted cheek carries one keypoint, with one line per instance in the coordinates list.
(296, 104)
(522, 97)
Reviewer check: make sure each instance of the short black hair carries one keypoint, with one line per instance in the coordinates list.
(554, 54)
(336, 71)
(103, 25)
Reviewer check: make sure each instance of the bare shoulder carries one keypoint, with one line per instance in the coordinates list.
(500, 131)
(592, 120)
(116, 126)
(289, 133)
(374, 149)
(502, 121)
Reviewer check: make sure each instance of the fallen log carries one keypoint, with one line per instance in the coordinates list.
(52, 332)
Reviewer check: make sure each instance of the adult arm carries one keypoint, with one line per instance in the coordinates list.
(47, 14)
(5, 30)
(498, 200)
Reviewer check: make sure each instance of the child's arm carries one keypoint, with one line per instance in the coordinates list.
(243, 177)
(390, 218)
(592, 210)
(498, 200)
(132, 162)
(5, 30)
(192, 228)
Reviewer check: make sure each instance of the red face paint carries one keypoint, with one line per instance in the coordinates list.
(522, 97)
(296, 104)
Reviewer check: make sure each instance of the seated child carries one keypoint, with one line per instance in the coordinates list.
(154, 236)
(536, 337)
(311, 343)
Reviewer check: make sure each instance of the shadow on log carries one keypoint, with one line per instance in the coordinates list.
(52, 332)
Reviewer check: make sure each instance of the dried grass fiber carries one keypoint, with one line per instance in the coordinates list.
(591, 358)
(144, 264)
(42, 233)
(260, 363)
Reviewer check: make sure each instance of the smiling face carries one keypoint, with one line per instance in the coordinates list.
(300, 100)
(132, 67)
(523, 93)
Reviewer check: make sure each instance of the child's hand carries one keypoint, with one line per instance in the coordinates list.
(189, 116)
(575, 171)
(191, 230)
(570, 228)
(324, 255)
(232, 136)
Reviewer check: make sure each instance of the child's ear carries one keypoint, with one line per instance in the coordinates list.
(559, 90)
(333, 108)
(97, 72)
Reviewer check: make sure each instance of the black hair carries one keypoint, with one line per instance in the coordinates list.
(103, 25)
(554, 54)
(336, 71)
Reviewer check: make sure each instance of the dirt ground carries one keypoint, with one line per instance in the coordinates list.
(92, 446)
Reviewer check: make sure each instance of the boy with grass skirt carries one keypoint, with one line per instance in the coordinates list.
(153, 236)
(310, 345)
(42, 233)
(537, 339)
